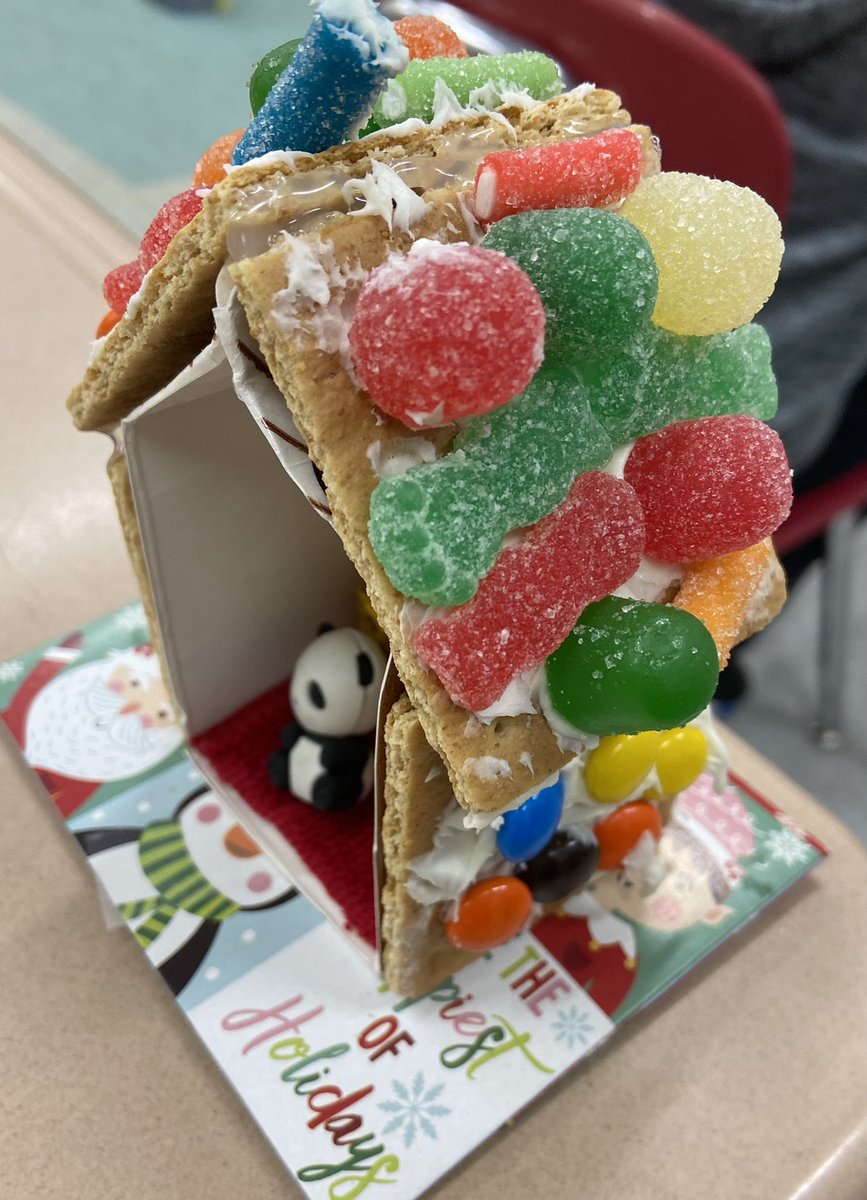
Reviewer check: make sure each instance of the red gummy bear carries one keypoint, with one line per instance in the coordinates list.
(172, 217)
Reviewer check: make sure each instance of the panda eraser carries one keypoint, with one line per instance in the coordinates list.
(325, 757)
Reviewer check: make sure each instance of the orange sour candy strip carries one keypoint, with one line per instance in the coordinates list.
(428, 37)
(719, 591)
(210, 169)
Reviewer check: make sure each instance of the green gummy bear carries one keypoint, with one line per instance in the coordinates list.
(629, 666)
(268, 70)
(438, 528)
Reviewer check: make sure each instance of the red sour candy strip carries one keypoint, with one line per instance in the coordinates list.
(591, 172)
(445, 332)
(710, 487)
(173, 216)
(529, 602)
(429, 37)
(122, 283)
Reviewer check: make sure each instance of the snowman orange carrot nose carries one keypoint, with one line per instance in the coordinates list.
(238, 842)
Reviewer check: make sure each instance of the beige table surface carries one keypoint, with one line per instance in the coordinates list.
(749, 1080)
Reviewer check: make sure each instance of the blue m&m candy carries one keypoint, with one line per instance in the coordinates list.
(528, 829)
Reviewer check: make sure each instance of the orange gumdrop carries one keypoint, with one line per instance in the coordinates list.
(210, 169)
(429, 37)
(108, 323)
(621, 832)
(719, 592)
(490, 913)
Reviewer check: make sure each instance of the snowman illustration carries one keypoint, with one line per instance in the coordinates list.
(177, 880)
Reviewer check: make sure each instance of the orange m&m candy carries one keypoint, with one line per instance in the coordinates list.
(622, 830)
(210, 169)
(428, 37)
(108, 323)
(490, 913)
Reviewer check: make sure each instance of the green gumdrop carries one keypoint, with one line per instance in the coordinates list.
(594, 270)
(413, 93)
(664, 377)
(268, 71)
(438, 528)
(629, 666)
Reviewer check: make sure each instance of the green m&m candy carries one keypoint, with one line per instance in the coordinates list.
(268, 71)
(629, 666)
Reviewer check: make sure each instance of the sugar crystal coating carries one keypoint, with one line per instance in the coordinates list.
(211, 167)
(122, 283)
(172, 217)
(718, 592)
(268, 70)
(429, 37)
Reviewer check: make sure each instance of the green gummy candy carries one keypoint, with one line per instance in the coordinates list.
(412, 94)
(268, 71)
(664, 377)
(629, 666)
(594, 270)
(438, 528)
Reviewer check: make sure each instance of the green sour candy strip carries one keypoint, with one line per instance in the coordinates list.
(438, 528)
(412, 93)
(268, 71)
(594, 270)
(665, 377)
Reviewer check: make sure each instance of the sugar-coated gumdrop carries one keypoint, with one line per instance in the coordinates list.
(662, 377)
(680, 759)
(536, 591)
(438, 528)
(719, 592)
(268, 70)
(172, 217)
(211, 167)
(563, 866)
(528, 830)
(589, 172)
(709, 487)
(446, 332)
(629, 666)
(490, 76)
(619, 765)
(122, 283)
(490, 913)
(108, 323)
(718, 248)
(429, 37)
(594, 271)
(621, 831)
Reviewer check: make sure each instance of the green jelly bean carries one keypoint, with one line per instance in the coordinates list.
(412, 94)
(664, 377)
(268, 71)
(629, 666)
(438, 528)
(594, 270)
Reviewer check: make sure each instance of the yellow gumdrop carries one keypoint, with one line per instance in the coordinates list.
(618, 765)
(718, 248)
(681, 758)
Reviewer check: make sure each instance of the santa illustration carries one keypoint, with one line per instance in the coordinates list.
(699, 858)
(83, 726)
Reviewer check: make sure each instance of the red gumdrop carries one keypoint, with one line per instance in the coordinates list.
(591, 172)
(710, 487)
(446, 332)
(122, 283)
(173, 216)
(531, 599)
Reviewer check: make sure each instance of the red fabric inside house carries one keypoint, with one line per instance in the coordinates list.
(336, 846)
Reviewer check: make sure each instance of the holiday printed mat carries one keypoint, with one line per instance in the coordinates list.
(353, 1085)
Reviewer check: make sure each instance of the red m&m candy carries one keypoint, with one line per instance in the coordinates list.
(490, 913)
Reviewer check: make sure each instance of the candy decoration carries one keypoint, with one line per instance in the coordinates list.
(528, 830)
(628, 667)
(619, 765)
(709, 487)
(719, 590)
(490, 913)
(621, 831)
(268, 70)
(563, 866)
(108, 323)
(429, 37)
(681, 758)
(325, 94)
(718, 248)
(172, 217)
(438, 528)
(433, 337)
(662, 378)
(536, 591)
(490, 76)
(211, 167)
(121, 284)
(590, 172)
(594, 271)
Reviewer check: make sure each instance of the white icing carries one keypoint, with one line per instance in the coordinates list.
(393, 102)
(395, 456)
(651, 582)
(517, 699)
(446, 106)
(136, 298)
(525, 758)
(361, 23)
(569, 739)
(456, 860)
(488, 768)
(385, 195)
(617, 462)
(285, 158)
(404, 129)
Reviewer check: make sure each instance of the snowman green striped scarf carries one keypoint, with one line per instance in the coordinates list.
(177, 882)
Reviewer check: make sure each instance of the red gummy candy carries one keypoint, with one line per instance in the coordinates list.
(446, 332)
(591, 172)
(173, 216)
(122, 283)
(710, 487)
(536, 591)
(429, 37)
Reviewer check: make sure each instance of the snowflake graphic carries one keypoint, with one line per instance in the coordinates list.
(132, 619)
(784, 845)
(9, 671)
(572, 1027)
(414, 1109)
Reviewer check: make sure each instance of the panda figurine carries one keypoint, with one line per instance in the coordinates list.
(325, 757)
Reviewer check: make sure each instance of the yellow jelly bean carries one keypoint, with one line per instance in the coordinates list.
(680, 759)
(619, 764)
